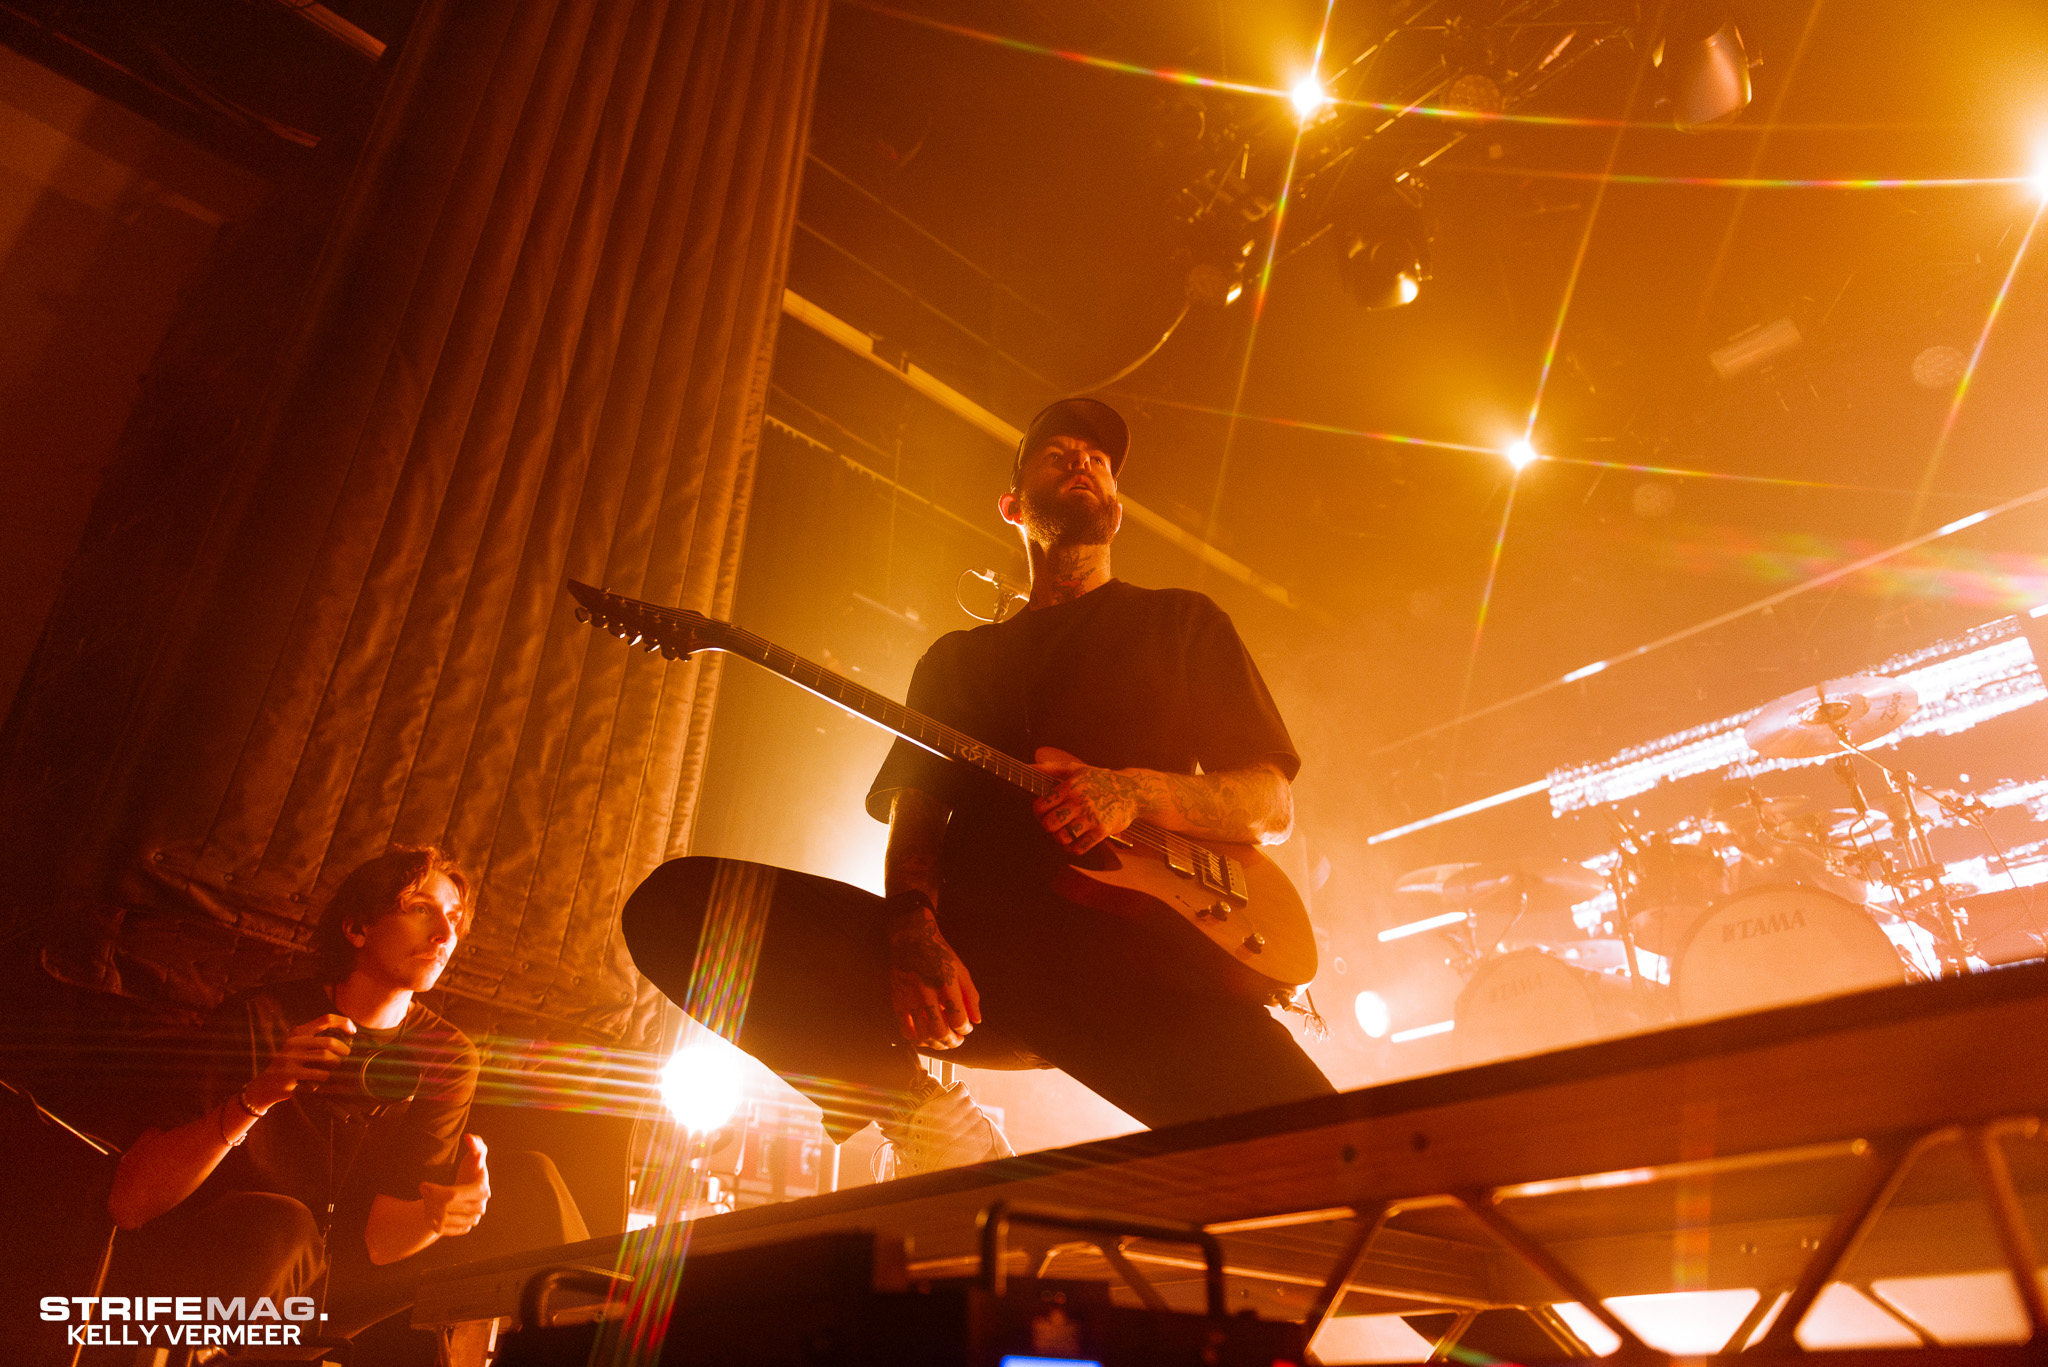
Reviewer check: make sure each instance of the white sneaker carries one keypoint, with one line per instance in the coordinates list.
(943, 1130)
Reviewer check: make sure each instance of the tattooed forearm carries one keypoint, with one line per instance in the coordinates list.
(1254, 804)
(917, 828)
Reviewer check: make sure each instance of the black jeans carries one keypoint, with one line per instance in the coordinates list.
(257, 1243)
(793, 968)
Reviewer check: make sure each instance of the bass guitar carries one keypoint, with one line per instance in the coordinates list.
(1232, 893)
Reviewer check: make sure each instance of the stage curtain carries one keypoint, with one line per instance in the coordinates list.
(534, 345)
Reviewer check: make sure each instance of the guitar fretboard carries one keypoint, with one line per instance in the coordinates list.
(681, 632)
(935, 736)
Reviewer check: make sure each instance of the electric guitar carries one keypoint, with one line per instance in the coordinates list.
(1235, 896)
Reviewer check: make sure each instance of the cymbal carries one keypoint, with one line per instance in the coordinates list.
(1430, 878)
(1771, 809)
(1546, 884)
(1811, 722)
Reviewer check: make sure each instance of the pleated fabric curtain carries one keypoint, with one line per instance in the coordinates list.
(535, 347)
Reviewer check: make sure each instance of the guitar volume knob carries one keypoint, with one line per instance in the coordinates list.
(1254, 942)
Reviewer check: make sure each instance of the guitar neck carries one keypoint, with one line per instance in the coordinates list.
(915, 727)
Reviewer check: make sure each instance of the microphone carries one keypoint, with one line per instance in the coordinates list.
(1011, 594)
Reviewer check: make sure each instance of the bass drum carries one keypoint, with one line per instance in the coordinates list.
(1775, 945)
(1528, 1002)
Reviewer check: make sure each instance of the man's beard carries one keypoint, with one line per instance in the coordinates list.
(1053, 520)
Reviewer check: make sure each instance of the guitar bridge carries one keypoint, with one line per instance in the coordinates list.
(1220, 873)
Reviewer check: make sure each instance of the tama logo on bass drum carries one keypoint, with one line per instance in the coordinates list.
(1770, 924)
(1516, 987)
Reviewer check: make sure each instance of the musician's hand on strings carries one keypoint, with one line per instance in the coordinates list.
(930, 991)
(1089, 806)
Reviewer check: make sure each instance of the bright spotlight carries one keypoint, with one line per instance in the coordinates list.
(1308, 98)
(1374, 1016)
(1521, 454)
(701, 1084)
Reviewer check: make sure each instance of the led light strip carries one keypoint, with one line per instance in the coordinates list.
(1961, 682)
(2000, 676)
(1512, 794)
(1449, 918)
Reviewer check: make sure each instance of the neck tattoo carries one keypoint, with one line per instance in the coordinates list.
(1067, 572)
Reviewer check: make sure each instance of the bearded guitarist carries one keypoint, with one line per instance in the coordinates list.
(1146, 707)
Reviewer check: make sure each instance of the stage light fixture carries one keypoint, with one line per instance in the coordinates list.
(1474, 92)
(1375, 1017)
(1521, 454)
(701, 1084)
(1309, 99)
(1215, 284)
(1705, 69)
(1385, 249)
(1757, 347)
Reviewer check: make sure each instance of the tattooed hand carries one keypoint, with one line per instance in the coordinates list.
(930, 990)
(1090, 805)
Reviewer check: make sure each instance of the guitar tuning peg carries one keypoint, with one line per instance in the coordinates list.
(650, 647)
(583, 614)
(631, 638)
(668, 652)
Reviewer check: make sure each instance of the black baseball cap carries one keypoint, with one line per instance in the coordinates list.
(1090, 418)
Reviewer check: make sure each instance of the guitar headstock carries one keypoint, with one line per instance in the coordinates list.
(677, 633)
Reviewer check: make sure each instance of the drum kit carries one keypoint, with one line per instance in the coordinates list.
(1759, 902)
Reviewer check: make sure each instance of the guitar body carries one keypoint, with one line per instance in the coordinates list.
(1235, 896)
(1267, 930)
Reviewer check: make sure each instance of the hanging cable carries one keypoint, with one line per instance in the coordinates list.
(1150, 352)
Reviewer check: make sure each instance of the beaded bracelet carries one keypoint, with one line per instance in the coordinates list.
(242, 1100)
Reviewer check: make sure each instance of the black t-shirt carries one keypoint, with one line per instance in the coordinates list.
(1121, 677)
(314, 1144)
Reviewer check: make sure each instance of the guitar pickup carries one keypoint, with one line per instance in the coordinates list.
(1178, 861)
(1234, 878)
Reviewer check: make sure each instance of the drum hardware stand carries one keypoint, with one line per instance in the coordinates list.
(1922, 897)
(1625, 844)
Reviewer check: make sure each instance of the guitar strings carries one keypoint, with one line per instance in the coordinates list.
(1175, 847)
